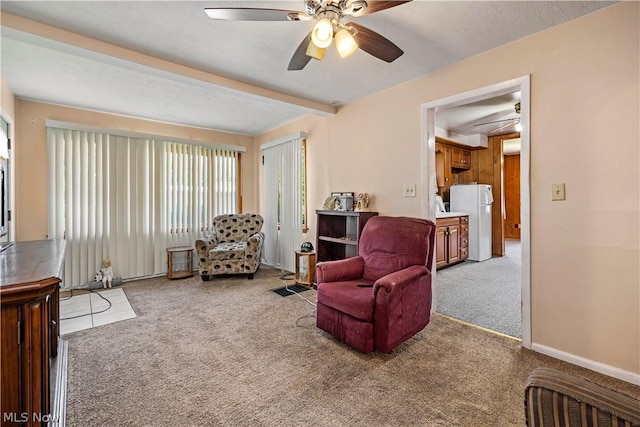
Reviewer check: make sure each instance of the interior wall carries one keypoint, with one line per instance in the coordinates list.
(585, 251)
(7, 99)
(30, 155)
(8, 107)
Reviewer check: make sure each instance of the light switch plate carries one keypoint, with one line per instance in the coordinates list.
(557, 192)
(410, 190)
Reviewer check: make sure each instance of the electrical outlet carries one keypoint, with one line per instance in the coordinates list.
(410, 190)
(557, 192)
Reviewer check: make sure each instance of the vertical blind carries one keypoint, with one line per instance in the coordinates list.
(283, 201)
(127, 199)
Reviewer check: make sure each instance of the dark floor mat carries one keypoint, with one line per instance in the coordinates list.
(283, 292)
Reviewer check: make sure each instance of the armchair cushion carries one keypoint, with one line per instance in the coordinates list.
(348, 297)
(228, 250)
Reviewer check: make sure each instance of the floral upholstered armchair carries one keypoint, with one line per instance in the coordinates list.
(234, 247)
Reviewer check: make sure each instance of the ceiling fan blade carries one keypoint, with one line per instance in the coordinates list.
(300, 59)
(504, 126)
(378, 5)
(375, 44)
(254, 14)
(498, 121)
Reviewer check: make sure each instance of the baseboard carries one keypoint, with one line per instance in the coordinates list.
(608, 370)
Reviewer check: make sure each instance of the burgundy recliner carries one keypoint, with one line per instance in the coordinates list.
(382, 297)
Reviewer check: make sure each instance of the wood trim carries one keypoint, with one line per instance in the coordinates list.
(497, 222)
(488, 168)
(441, 140)
(512, 196)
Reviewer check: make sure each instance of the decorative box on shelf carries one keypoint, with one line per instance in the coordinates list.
(179, 262)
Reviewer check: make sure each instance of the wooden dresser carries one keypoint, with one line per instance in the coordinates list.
(30, 278)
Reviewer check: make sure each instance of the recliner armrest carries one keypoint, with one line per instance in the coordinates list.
(340, 270)
(400, 278)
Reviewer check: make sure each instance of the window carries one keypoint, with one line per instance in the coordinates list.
(128, 198)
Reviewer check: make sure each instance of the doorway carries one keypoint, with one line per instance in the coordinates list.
(488, 293)
(428, 198)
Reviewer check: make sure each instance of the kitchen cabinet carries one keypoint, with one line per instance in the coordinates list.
(452, 240)
(338, 233)
(453, 166)
(460, 158)
(443, 165)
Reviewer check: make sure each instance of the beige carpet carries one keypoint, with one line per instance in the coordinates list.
(231, 353)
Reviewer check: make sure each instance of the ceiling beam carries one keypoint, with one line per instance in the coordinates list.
(63, 36)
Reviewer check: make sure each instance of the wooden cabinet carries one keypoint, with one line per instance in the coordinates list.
(453, 166)
(30, 277)
(338, 233)
(464, 238)
(452, 240)
(460, 158)
(179, 262)
(443, 166)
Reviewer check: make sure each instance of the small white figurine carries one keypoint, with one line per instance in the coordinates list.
(107, 273)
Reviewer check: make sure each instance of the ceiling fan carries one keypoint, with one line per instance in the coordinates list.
(507, 122)
(329, 27)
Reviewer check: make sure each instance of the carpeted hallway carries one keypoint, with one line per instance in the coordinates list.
(486, 294)
(230, 352)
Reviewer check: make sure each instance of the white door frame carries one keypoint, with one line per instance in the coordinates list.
(428, 174)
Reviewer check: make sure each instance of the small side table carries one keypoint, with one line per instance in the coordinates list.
(179, 262)
(305, 273)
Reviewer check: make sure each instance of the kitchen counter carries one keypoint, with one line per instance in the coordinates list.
(450, 214)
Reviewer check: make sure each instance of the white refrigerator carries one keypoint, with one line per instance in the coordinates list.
(476, 200)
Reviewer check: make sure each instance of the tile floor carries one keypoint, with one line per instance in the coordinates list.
(89, 306)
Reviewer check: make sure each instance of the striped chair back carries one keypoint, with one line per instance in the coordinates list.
(556, 399)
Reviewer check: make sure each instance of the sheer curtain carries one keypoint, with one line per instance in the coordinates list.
(128, 199)
(283, 200)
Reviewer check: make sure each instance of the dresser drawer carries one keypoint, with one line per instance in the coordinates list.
(464, 229)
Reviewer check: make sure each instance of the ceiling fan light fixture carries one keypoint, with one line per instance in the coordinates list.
(345, 43)
(315, 51)
(322, 33)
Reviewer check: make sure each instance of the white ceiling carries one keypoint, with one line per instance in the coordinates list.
(493, 116)
(432, 34)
